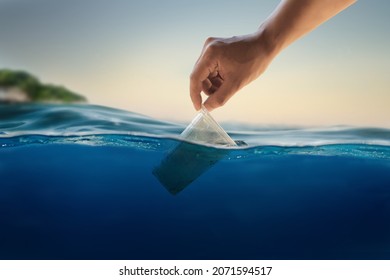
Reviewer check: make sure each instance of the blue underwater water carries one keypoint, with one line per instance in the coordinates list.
(80, 182)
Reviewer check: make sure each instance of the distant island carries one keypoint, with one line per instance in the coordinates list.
(20, 86)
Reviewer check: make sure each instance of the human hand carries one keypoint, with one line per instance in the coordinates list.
(226, 65)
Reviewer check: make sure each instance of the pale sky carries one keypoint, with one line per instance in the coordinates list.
(138, 55)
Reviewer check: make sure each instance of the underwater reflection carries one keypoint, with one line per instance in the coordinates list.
(185, 163)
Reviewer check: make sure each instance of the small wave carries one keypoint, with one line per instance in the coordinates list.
(98, 125)
(164, 145)
(78, 120)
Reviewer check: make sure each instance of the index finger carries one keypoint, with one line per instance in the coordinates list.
(201, 71)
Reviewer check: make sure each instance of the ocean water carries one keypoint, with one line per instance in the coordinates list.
(80, 182)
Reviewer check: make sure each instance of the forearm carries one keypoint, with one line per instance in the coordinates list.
(294, 18)
(228, 64)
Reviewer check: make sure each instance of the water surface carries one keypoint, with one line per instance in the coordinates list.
(77, 183)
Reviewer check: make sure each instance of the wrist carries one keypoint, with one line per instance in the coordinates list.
(268, 40)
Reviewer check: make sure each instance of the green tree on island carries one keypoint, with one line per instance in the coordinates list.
(20, 86)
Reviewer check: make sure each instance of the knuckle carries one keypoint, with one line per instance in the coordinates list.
(209, 40)
(213, 48)
(192, 76)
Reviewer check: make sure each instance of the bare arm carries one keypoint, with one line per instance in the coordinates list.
(228, 64)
